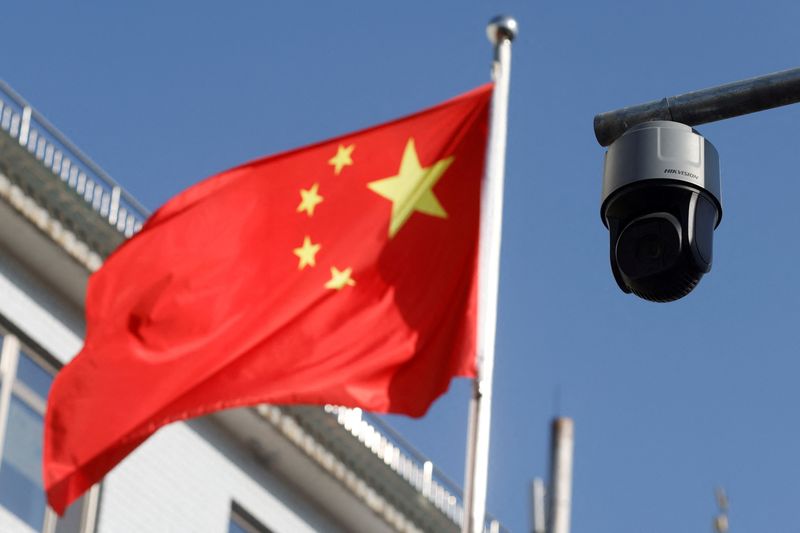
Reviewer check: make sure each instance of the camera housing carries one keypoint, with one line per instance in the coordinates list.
(661, 204)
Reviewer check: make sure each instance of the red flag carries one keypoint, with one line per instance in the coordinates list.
(343, 273)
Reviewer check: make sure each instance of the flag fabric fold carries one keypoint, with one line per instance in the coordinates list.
(340, 273)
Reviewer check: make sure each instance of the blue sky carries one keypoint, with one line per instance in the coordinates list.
(669, 400)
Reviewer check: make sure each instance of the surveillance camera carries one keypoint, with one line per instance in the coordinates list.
(661, 204)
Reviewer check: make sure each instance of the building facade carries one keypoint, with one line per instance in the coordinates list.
(255, 470)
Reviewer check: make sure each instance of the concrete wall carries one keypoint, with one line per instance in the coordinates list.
(9, 523)
(185, 478)
(37, 311)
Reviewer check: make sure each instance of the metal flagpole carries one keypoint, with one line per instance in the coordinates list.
(501, 31)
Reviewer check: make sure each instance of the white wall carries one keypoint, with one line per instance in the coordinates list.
(37, 311)
(9, 523)
(183, 480)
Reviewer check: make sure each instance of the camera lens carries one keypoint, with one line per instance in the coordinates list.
(649, 245)
(649, 248)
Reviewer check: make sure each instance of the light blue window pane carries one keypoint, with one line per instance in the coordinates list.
(242, 522)
(33, 375)
(21, 489)
(233, 527)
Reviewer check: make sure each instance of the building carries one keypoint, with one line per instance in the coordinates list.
(281, 469)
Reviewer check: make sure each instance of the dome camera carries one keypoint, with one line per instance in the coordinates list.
(661, 204)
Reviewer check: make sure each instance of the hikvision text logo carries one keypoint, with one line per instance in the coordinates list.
(681, 173)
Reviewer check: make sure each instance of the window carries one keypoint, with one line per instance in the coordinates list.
(23, 392)
(243, 522)
(25, 380)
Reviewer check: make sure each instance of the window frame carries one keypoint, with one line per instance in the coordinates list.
(245, 520)
(11, 350)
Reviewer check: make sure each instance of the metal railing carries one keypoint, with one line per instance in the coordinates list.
(407, 462)
(74, 168)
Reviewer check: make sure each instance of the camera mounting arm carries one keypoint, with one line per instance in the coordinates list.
(706, 105)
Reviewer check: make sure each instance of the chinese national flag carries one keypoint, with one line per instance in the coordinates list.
(340, 273)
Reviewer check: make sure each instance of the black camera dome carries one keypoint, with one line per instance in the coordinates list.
(661, 206)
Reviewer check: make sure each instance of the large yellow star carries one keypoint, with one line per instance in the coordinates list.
(307, 253)
(411, 189)
(309, 199)
(340, 279)
(342, 158)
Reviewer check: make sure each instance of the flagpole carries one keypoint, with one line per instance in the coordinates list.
(501, 32)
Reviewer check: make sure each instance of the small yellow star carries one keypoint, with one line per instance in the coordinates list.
(307, 253)
(340, 279)
(310, 199)
(412, 188)
(342, 158)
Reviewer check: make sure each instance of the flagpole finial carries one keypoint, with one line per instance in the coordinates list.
(501, 27)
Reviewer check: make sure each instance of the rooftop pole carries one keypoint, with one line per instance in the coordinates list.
(706, 105)
(562, 445)
(501, 32)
